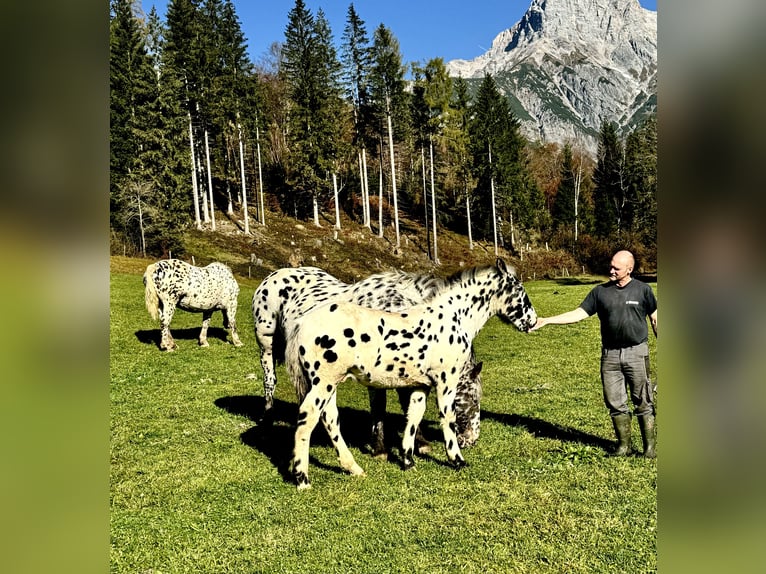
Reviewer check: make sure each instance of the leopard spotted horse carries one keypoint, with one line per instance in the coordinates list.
(173, 284)
(287, 294)
(422, 347)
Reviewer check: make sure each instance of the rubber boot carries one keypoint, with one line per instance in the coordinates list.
(648, 434)
(622, 430)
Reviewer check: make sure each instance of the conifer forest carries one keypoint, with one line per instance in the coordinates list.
(334, 121)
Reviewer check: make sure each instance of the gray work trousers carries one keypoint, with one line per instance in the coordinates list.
(623, 369)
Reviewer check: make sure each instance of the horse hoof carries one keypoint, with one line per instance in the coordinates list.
(407, 464)
(204, 344)
(459, 463)
(380, 456)
(357, 470)
(304, 486)
(239, 344)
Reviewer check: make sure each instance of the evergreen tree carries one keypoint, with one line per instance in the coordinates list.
(458, 179)
(131, 89)
(181, 60)
(387, 91)
(641, 180)
(356, 56)
(143, 190)
(311, 70)
(420, 116)
(609, 194)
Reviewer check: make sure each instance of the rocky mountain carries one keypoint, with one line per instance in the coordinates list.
(569, 63)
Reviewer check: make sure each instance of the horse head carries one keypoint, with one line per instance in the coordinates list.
(515, 306)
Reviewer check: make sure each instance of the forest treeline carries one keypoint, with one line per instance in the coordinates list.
(324, 126)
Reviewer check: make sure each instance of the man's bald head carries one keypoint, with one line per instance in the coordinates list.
(621, 267)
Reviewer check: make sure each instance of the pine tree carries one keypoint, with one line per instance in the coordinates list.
(181, 57)
(387, 91)
(437, 95)
(356, 56)
(146, 205)
(458, 179)
(609, 193)
(641, 180)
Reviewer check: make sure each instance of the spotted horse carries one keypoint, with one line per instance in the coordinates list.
(424, 346)
(172, 283)
(287, 294)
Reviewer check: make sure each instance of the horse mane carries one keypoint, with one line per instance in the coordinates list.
(457, 278)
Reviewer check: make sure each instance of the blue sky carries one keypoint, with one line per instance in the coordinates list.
(425, 28)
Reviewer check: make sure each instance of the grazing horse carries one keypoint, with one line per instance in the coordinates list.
(287, 294)
(424, 346)
(172, 283)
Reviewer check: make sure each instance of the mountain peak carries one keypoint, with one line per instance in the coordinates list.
(568, 63)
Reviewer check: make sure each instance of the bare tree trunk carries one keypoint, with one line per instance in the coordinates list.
(468, 215)
(366, 187)
(230, 204)
(433, 202)
(245, 214)
(492, 190)
(335, 193)
(209, 182)
(380, 202)
(316, 210)
(578, 183)
(425, 198)
(141, 227)
(195, 189)
(393, 179)
(260, 175)
(513, 232)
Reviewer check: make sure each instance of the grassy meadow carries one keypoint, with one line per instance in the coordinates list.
(198, 486)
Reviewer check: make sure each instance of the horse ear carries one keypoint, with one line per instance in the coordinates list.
(501, 265)
(477, 369)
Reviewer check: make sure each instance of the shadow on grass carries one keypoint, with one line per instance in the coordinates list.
(153, 336)
(544, 429)
(274, 435)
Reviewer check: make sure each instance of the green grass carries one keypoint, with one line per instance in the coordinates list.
(197, 486)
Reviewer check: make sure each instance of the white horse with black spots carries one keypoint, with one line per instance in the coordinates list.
(287, 294)
(172, 283)
(424, 346)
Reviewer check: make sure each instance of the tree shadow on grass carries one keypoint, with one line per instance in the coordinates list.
(274, 435)
(153, 336)
(543, 429)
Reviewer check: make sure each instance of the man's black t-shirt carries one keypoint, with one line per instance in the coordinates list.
(622, 312)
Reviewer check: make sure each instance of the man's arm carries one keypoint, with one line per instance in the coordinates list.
(653, 320)
(565, 318)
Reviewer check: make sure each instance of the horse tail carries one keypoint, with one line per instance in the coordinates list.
(294, 365)
(150, 292)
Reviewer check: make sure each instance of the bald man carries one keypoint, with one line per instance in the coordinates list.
(622, 306)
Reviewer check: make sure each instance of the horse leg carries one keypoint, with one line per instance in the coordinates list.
(206, 316)
(445, 400)
(265, 341)
(166, 316)
(468, 405)
(330, 422)
(378, 412)
(415, 412)
(308, 417)
(230, 319)
(422, 446)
